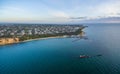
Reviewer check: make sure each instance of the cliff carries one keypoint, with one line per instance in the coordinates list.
(4, 41)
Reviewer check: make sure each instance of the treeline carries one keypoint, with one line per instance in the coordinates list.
(27, 37)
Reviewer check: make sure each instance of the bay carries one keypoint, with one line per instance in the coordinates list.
(61, 55)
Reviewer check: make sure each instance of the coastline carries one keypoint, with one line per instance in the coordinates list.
(59, 33)
(41, 39)
(33, 40)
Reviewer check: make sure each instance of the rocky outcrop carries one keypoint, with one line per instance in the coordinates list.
(4, 41)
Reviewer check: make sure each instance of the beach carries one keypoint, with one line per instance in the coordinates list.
(14, 42)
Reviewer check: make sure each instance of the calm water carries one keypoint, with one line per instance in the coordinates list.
(61, 55)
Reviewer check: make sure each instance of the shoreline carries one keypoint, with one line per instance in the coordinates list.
(33, 40)
(41, 38)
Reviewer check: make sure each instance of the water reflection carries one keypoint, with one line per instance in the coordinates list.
(80, 36)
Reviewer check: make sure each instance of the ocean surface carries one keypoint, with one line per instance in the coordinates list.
(61, 55)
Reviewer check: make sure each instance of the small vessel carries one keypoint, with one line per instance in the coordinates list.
(84, 56)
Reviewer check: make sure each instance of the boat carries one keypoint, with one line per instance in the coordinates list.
(84, 56)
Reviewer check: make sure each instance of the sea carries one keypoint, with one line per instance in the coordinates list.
(62, 55)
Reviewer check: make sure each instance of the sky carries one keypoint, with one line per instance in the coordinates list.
(57, 10)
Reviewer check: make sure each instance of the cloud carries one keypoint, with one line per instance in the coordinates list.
(59, 14)
(78, 18)
(111, 8)
(60, 10)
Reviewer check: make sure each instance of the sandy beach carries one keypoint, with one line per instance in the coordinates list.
(41, 38)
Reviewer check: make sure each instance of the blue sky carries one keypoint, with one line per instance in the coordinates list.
(57, 10)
